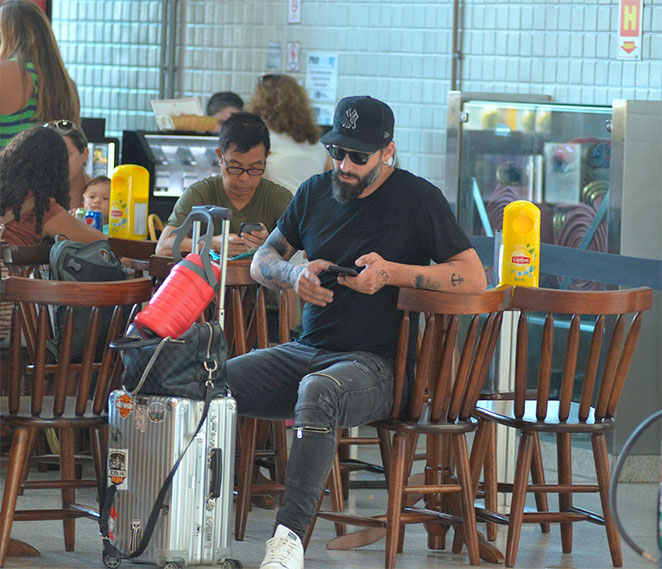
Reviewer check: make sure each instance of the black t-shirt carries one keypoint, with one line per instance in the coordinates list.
(406, 220)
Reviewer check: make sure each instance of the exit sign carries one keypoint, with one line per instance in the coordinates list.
(629, 29)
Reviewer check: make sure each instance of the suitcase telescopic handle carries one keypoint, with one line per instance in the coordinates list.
(216, 466)
(201, 243)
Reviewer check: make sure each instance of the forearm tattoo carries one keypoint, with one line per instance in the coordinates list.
(421, 281)
(456, 279)
(274, 271)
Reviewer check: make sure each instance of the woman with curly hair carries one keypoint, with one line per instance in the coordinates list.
(34, 190)
(35, 85)
(296, 153)
(79, 154)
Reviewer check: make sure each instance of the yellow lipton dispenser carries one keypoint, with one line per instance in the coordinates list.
(129, 195)
(521, 244)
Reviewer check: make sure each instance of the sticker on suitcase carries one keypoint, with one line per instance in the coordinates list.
(124, 405)
(156, 412)
(118, 467)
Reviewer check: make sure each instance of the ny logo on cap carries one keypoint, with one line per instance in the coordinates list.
(351, 116)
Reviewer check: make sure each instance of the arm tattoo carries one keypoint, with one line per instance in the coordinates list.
(270, 264)
(456, 279)
(420, 281)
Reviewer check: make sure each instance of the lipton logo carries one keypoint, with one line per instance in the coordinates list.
(124, 405)
(521, 260)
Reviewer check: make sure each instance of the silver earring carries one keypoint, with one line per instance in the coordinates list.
(385, 163)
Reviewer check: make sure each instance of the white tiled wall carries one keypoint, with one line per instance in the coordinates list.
(398, 51)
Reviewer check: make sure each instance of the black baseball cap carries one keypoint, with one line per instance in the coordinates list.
(361, 123)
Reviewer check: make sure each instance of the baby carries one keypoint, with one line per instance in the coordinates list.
(97, 196)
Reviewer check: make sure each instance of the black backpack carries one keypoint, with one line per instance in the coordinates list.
(74, 261)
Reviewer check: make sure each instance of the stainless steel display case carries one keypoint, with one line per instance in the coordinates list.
(174, 161)
(557, 156)
(596, 174)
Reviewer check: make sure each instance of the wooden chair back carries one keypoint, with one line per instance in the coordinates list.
(44, 295)
(29, 261)
(612, 343)
(25, 261)
(449, 372)
(132, 248)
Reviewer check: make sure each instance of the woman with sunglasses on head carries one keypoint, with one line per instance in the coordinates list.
(35, 85)
(34, 190)
(76, 142)
(296, 153)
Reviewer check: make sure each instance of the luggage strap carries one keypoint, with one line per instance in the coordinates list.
(109, 496)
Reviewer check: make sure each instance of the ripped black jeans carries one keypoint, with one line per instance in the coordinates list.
(323, 391)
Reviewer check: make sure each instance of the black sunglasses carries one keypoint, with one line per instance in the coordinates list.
(359, 158)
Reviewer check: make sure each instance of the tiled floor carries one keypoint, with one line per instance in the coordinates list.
(637, 506)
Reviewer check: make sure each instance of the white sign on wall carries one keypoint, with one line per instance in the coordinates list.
(321, 84)
(629, 29)
(294, 11)
(293, 51)
(273, 55)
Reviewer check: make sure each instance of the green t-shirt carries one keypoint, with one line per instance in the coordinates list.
(267, 205)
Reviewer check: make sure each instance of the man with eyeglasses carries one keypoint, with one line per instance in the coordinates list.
(243, 147)
(386, 224)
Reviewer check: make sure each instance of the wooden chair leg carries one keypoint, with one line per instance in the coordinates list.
(538, 477)
(336, 492)
(564, 461)
(434, 476)
(17, 458)
(603, 472)
(385, 450)
(68, 472)
(32, 443)
(520, 484)
(245, 475)
(491, 479)
(395, 498)
(468, 510)
(97, 455)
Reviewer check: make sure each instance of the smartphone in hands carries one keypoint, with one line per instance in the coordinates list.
(248, 227)
(342, 271)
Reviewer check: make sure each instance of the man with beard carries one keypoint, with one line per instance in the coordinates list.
(386, 223)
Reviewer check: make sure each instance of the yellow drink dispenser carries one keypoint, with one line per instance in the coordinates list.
(521, 244)
(129, 195)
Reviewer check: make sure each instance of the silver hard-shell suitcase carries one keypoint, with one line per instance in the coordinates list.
(146, 436)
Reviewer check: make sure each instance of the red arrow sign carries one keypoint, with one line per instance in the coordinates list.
(629, 46)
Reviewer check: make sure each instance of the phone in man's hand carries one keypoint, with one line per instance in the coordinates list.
(248, 227)
(344, 271)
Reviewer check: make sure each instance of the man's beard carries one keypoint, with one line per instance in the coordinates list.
(344, 192)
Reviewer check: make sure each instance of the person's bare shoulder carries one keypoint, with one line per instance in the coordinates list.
(15, 90)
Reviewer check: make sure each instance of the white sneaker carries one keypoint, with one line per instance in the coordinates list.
(284, 550)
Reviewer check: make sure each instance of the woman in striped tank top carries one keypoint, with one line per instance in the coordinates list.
(30, 58)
